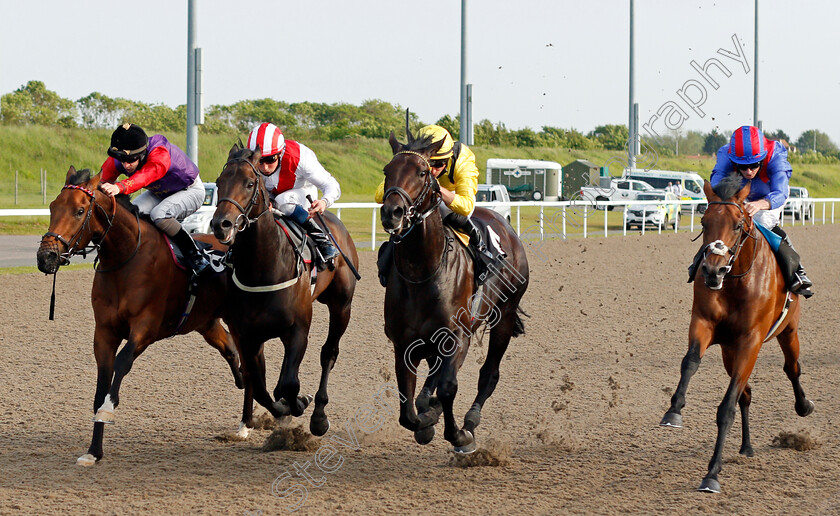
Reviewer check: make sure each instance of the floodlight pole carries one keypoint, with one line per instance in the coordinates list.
(464, 125)
(631, 123)
(192, 97)
(755, 72)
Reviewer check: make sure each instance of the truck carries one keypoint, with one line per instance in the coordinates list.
(615, 190)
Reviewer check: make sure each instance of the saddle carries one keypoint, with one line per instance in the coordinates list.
(304, 247)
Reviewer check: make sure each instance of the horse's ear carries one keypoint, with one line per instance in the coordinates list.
(93, 183)
(743, 193)
(70, 174)
(233, 150)
(710, 194)
(433, 148)
(395, 145)
(256, 155)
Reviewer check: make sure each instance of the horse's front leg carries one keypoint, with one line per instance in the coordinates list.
(288, 385)
(462, 440)
(105, 344)
(319, 424)
(134, 347)
(423, 425)
(739, 363)
(699, 339)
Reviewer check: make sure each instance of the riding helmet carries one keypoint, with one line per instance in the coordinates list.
(747, 145)
(268, 137)
(127, 141)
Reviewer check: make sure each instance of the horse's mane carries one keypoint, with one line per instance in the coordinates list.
(729, 186)
(419, 144)
(125, 201)
(81, 176)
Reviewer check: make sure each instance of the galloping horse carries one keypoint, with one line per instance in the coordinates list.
(272, 295)
(139, 293)
(431, 309)
(740, 304)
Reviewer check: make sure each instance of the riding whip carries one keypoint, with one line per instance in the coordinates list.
(329, 233)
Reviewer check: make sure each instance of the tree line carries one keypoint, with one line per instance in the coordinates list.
(34, 104)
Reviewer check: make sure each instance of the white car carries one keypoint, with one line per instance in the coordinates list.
(799, 204)
(653, 214)
(199, 222)
(494, 193)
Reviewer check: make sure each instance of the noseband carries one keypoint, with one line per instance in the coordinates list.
(719, 248)
(413, 216)
(242, 220)
(64, 258)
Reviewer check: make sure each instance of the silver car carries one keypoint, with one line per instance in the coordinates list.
(199, 222)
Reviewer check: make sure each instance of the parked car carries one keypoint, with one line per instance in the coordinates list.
(618, 190)
(495, 193)
(199, 222)
(653, 214)
(799, 204)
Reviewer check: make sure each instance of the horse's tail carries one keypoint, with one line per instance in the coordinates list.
(518, 323)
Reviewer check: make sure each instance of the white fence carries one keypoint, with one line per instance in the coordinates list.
(556, 216)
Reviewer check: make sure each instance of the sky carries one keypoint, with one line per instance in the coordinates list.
(532, 63)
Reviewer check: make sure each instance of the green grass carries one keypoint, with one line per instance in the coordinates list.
(357, 164)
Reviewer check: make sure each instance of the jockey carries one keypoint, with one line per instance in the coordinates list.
(454, 167)
(764, 164)
(173, 188)
(292, 172)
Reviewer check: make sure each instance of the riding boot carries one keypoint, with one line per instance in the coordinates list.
(197, 261)
(692, 269)
(322, 241)
(795, 278)
(483, 257)
(384, 260)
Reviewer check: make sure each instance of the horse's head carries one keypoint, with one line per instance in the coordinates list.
(242, 194)
(411, 191)
(72, 221)
(726, 225)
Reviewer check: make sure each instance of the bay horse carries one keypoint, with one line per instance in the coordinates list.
(431, 309)
(139, 294)
(272, 297)
(738, 305)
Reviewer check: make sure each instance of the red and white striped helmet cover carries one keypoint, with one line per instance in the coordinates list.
(269, 137)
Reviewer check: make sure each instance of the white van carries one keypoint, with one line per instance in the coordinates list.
(691, 184)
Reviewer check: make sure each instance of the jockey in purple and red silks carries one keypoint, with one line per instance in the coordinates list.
(173, 188)
(764, 164)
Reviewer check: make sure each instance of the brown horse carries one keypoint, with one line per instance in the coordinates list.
(430, 307)
(139, 293)
(738, 305)
(272, 296)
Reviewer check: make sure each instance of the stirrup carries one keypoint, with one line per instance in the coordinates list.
(801, 285)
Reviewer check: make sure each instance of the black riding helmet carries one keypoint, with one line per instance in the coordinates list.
(128, 142)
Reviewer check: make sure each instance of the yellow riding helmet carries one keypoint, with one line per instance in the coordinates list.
(437, 133)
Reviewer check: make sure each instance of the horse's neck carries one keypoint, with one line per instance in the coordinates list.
(419, 254)
(262, 254)
(122, 237)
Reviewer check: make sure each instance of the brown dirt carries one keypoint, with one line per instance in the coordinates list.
(573, 422)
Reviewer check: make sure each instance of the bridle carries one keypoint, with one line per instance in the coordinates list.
(242, 221)
(95, 244)
(413, 216)
(719, 248)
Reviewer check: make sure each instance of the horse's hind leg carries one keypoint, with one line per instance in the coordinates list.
(699, 338)
(319, 424)
(288, 385)
(789, 342)
(744, 402)
(218, 337)
(105, 345)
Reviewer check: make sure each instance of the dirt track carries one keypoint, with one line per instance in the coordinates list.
(573, 420)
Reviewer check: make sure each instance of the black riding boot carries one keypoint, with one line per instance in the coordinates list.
(483, 257)
(322, 241)
(792, 270)
(692, 269)
(196, 259)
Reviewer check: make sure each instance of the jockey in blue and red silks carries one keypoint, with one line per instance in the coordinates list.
(764, 164)
(173, 188)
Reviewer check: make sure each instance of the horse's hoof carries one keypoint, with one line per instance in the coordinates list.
(424, 435)
(809, 407)
(747, 451)
(465, 450)
(709, 485)
(104, 416)
(463, 439)
(282, 408)
(86, 460)
(671, 420)
(243, 432)
(319, 427)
